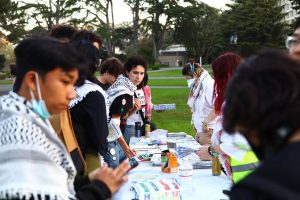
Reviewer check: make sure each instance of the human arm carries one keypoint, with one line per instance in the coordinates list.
(129, 152)
(104, 182)
(211, 116)
(119, 108)
(136, 106)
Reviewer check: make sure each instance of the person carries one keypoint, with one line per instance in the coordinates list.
(135, 69)
(63, 32)
(89, 110)
(236, 161)
(120, 97)
(148, 99)
(200, 100)
(292, 42)
(90, 36)
(47, 71)
(262, 103)
(110, 69)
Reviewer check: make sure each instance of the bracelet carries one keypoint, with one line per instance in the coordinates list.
(211, 151)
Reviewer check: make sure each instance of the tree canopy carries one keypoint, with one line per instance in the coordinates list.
(252, 25)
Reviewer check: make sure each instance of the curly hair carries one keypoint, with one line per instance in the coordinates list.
(112, 66)
(223, 68)
(263, 99)
(63, 32)
(132, 63)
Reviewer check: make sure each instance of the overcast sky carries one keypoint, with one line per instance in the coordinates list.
(122, 12)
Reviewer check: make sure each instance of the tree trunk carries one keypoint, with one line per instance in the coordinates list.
(109, 45)
(112, 25)
(57, 12)
(136, 9)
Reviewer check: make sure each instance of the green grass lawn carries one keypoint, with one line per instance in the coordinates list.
(167, 82)
(165, 73)
(5, 82)
(174, 120)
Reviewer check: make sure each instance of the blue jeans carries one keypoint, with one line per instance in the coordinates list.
(114, 154)
(129, 132)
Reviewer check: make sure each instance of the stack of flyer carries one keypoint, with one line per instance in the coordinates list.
(163, 189)
(161, 107)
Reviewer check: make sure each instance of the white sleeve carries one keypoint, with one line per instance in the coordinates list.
(230, 144)
(114, 126)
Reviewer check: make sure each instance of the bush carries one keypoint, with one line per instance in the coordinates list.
(2, 61)
(2, 76)
(155, 68)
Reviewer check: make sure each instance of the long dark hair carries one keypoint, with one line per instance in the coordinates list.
(90, 54)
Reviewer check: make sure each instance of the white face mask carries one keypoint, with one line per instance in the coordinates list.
(190, 82)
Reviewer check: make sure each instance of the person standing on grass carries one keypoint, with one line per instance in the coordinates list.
(34, 163)
(135, 69)
(236, 159)
(200, 101)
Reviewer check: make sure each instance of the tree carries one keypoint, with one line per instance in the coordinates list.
(2, 61)
(7, 50)
(12, 19)
(52, 12)
(197, 28)
(96, 10)
(135, 7)
(162, 15)
(251, 25)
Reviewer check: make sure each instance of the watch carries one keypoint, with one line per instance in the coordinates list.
(211, 151)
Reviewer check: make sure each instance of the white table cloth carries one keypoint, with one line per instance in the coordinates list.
(202, 186)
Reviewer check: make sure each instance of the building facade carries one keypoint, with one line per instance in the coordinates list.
(290, 13)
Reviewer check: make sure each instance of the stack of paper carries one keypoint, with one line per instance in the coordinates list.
(163, 189)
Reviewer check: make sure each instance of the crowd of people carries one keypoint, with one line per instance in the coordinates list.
(62, 131)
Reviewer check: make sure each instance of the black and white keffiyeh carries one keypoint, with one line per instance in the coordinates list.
(122, 86)
(33, 161)
(196, 90)
(84, 90)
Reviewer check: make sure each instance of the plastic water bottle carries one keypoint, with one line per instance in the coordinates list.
(185, 174)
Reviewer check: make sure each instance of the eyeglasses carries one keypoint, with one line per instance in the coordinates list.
(291, 42)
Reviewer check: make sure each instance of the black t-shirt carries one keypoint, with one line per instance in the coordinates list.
(103, 86)
(121, 105)
(89, 120)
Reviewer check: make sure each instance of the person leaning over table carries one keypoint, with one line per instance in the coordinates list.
(200, 101)
(110, 69)
(262, 103)
(120, 98)
(236, 159)
(89, 110)
(47, 71)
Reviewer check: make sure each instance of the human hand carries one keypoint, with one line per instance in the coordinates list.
(112, 178)
(205, 128)
(129, 152)
(203, 153)
(137, 104)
